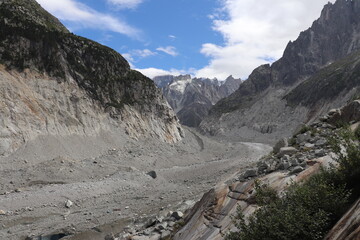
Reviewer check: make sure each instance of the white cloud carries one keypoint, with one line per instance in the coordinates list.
(255, 31)
(86, 17)
(153, 72)
(125, 3)
(168, 50)
(137, 54)
(172, 36)
(128, 57)
(143, 53)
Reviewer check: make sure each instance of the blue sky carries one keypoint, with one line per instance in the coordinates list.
(162, 24)
(206, 38)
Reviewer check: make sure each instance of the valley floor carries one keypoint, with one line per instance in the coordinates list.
(107, 183)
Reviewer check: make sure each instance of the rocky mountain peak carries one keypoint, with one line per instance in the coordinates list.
(229, 78)
(183, 77)
(257, 107)
(191, 98)
(162, 81)
(334, 35)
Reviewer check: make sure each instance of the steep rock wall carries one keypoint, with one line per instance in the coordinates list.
(54, 82)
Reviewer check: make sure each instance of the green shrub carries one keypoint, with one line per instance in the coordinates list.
(292, 141)
(264, 194)
(357, 133)
(341, 124)
(281, 223)
(303, 130)
(354, 97)
(348, 151)
(307, 210)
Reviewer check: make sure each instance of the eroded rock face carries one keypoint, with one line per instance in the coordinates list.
(264, 100)
(54, 82)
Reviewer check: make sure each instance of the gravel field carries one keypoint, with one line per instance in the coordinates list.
(106, 182)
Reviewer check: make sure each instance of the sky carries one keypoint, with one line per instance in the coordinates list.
(204, 38)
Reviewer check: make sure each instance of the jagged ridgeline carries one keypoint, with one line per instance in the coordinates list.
(318, 71)
(32, 38)
(191, 98)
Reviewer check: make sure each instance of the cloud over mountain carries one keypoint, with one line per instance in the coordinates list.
(255, 32)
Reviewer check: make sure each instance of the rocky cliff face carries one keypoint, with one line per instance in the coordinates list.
(191, 98)
(257, 110)
(54, 82)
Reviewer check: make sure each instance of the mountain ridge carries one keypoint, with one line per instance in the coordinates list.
(333, 36)
(191, 98)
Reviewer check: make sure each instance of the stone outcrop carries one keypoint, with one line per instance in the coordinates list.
(349, 113)
(211, 217)
(54, 82)
(191, 98)
(268, 98)
(348, 226)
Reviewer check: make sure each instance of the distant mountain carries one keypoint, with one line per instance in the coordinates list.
(191, 98)
(309, 79)
(56, 83)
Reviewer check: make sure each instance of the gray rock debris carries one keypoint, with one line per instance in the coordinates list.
(284, 165)
(280, 144)
(286, 151)
(263, 167)
(152, 174)
(296, 170)
(162, 226)
(165, 234)
(294, 162)
(177, 215)
(320, 142)
(320, 152)
(250, 173)
(309, 145)
(301, 138)
(68, 204)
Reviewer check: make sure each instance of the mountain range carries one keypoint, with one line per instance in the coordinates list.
(191, 98)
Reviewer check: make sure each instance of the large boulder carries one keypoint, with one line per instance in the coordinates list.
(152, 174)
(177, 215)
(280, 144)
(349, 113)
(286, 151)
(296, 170)
(250, 173)
(301, 138)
